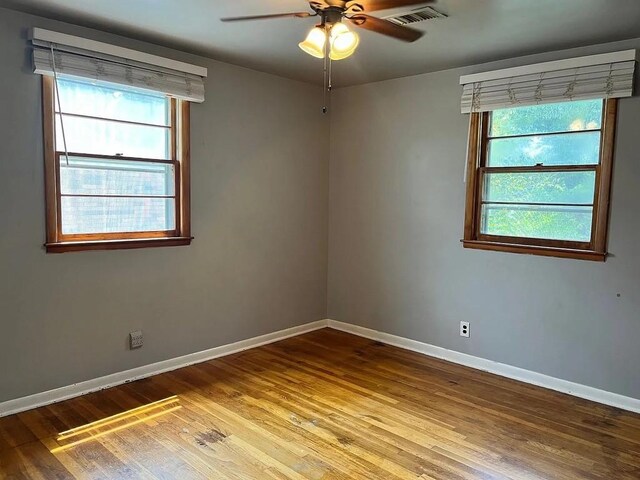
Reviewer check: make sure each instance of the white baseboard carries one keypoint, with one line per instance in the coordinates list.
(63, 393)
(527, 376)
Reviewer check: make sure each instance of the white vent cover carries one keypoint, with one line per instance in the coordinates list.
(414, 16)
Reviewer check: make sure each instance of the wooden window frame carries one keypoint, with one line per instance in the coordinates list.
(58, 242)
(595, 249)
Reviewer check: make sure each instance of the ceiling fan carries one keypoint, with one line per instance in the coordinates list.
(331, 39)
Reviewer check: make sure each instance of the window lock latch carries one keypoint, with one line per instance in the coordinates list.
(538, 164)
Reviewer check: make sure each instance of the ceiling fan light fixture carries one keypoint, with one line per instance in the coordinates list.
(314, 43)
(343, 42)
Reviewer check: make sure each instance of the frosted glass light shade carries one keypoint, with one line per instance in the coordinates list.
(314, 43)
(343, 42)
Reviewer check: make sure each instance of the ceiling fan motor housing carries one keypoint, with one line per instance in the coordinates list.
(332, 15)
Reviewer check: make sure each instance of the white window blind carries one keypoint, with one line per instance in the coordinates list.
(103, 62)
(598, 76)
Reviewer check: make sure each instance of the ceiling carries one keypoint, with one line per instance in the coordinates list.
(476, 31)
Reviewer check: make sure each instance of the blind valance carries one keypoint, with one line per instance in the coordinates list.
(599, 76)
(100, 66)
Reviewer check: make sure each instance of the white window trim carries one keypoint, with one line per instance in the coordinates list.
(586, 61)
(64, 42)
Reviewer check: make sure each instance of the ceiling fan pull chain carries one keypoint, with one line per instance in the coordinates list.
(330, 85)
(328, 74)
(326, 82)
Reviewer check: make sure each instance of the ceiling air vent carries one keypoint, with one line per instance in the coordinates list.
(415, 16)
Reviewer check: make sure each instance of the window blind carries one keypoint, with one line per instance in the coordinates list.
(99, 66)
(599, 76)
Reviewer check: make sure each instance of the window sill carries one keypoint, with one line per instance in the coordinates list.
(535, 250)
(63, 247)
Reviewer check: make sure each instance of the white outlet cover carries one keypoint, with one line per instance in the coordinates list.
(135, 339)
(465, 329)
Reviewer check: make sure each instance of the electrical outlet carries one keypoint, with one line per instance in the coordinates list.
(135, 339)
(464, 329)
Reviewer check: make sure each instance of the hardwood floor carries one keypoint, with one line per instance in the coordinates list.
(325, 405)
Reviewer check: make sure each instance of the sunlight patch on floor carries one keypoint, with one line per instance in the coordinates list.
(100, 428)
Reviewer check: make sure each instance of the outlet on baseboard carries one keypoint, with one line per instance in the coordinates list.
(464, 329)
(135, 339)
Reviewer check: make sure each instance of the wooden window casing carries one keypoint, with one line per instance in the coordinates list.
(595, 249)
(59, 242)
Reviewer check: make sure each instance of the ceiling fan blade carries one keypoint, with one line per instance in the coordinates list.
(385, 27)
(373, 5)
(267, 17)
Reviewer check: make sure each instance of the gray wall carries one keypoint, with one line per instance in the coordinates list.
(260, 213)
(395, 259)
(258, 263)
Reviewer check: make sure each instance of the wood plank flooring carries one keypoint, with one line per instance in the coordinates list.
(324, 405)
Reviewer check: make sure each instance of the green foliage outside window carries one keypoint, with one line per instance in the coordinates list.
(556, 135)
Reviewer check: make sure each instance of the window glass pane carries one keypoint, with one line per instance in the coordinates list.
(116, 214)
(541, 187)
(112, 101)
(553, 223)
(548, 118)
(102, 137)
(97, 176)
(561, 149)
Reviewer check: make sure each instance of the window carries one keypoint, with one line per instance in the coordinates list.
(538, 179)
(117, 174)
